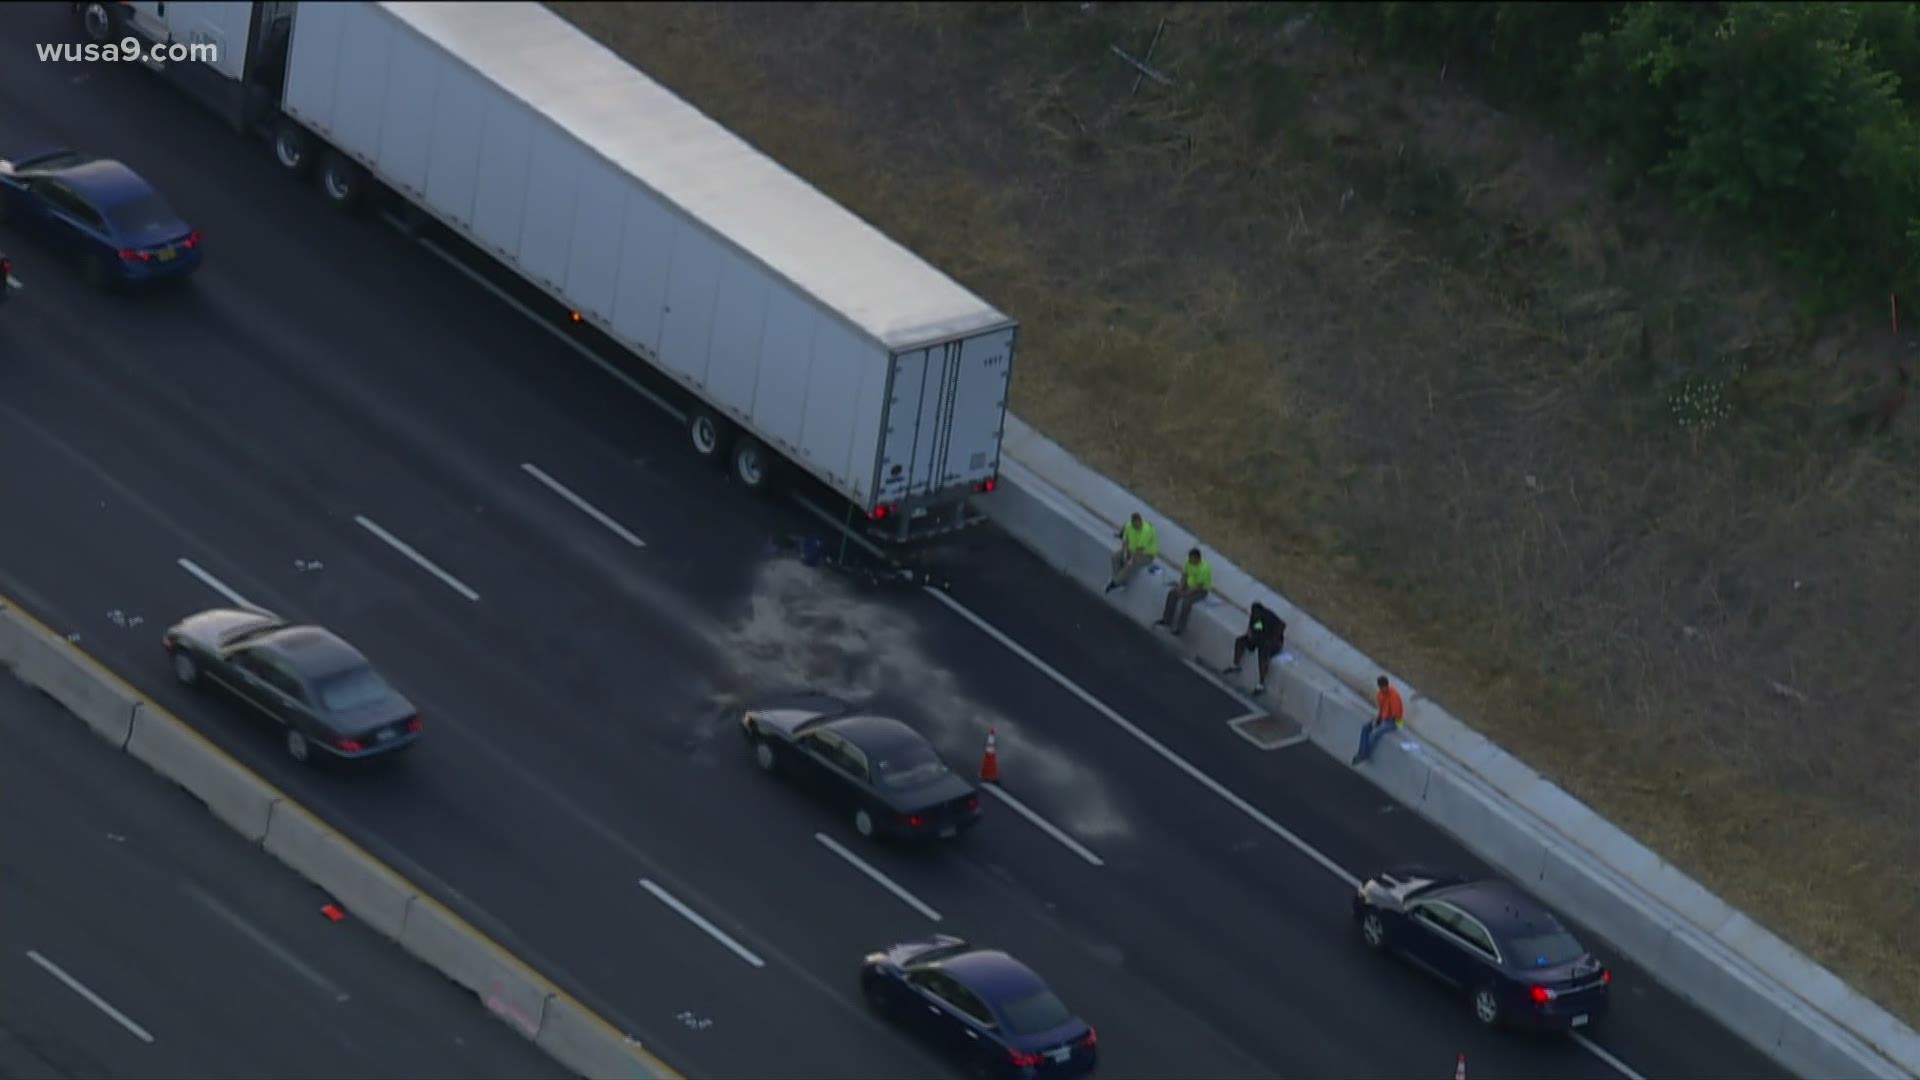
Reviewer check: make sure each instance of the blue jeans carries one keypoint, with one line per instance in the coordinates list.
(1370, 737)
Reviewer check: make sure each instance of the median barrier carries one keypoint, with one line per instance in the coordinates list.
(372, 893)
(49, 663)
(507, 987)
(233, 794)
(1750, 980)
(586, 1044)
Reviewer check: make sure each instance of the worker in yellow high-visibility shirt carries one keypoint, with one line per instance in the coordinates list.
(1196, 581)
(1138, 548)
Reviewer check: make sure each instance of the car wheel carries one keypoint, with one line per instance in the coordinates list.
(707, 432)
(752, 464)
(1373, 931)
(96, 22)
(342, 180)
(293, 148)
(764, 757)
(298, 748)
(863, 823)
(184, 668)
(1486, 1007)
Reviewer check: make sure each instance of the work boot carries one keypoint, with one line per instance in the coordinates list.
(1260, 689)
(1112, 585)
(1230, 669)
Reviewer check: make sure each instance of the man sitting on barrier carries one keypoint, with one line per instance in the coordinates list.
(1266, 635)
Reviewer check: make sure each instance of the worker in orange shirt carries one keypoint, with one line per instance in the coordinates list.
(1391, 715)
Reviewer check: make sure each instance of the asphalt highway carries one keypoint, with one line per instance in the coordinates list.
(140, 937)
(327, 387)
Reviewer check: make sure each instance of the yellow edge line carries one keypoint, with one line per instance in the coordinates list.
(420, 895)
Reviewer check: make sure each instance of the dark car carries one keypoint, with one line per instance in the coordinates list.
(101, 213)
(981, 1007)
(317, 686)
(884, 773)
(1521, 966)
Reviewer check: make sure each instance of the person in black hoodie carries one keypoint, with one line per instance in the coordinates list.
(1266, 635)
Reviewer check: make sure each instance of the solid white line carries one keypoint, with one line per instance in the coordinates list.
(1046, 826)
(215, 584)
(1600, 1052)
(96, 1000)
(419, 560)
(879, 878)
(581, 504)
(698, 920)
(260, 938)
(592, 357)
(1149, 741)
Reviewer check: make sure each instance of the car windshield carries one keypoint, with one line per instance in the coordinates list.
(142, 215)
(1546, 950)
(909, 766)
(354, 690)
(1036, 1013)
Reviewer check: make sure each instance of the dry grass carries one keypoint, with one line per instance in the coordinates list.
(1579, 472)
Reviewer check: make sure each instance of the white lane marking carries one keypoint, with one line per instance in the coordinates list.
(94, 999)
(259, 937)
(592, 357)
(1178, 762)
(1150, 742)
(700, 921)
(419, 560)
(879, 878)
(1044, 825)
(216, 584)
(1600, 1052)
(581, 504)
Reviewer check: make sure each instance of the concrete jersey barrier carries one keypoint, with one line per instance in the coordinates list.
(1744, 976)
(371, 891)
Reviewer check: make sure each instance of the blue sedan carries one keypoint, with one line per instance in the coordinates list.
(102, 213)
(1519, 964)
(980, 1007)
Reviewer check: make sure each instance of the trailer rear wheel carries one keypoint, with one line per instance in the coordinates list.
(292, 147)
(752, 464)
(343, 180)
(707, 432)
(96, 22)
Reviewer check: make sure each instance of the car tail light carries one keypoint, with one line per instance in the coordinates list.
(1024, 1060)
(986, 485)
(1542, 994)
(351, 746)
(1093, 1037)
(916, 820)
(6, 269)
(881, 512)
(1606, 977)
(973, 804)
(193, 239)
(414, 725)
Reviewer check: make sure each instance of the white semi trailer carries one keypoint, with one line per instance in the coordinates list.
(800, 336)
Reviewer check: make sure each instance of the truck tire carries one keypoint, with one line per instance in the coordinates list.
(753, 464)
(292, 148)
(342, 180)
(97, 21)
(707, 433)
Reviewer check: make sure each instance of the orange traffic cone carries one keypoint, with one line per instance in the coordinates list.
(1460, 1070)
(990, 762)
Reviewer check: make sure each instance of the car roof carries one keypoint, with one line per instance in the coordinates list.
(1501, 907)
(874, 734)
(993, 975)
(313, 652)
(103, 181)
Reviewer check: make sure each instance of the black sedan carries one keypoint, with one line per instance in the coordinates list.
(328, 697)
(878, 769)
(981, 1007)
(1519, 964)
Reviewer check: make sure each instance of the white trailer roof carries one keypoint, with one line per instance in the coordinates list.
(709, 172)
